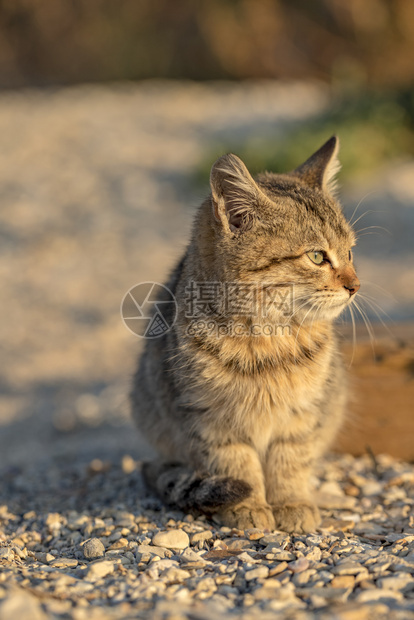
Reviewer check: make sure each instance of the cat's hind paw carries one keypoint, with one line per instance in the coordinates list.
(298, 517)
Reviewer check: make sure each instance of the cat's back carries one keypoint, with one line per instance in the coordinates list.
(155, 388)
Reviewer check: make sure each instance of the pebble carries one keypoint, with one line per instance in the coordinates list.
(93, 549)
(279, 568)
(171, 539)
(121, 543)
(246, 557)
(397, 582)
(237, 543)
(339, 595)
(274, 539)
(175, 574)
(302, 578)
(299, 565)
(366, 596)
(6, 554)
(20, 605)
(100, 569)
(43, 557)
(331, 488)
(371, 488)
(271, 583)
(314, 555)
(348, 568)
(335, 525)
(189, 555)
(280, 556)
(254, 534)
(261, 572)
(201, 536)
(343, 581)
(151, 550)
(64, 563)
(128, 464)
(165, 564)
(265, 592)
(331, 501)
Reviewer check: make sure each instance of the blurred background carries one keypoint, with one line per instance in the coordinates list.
(111, 115)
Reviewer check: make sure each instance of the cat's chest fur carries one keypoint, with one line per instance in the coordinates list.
(261, 395)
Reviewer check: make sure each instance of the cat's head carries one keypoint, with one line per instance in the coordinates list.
(286, 230)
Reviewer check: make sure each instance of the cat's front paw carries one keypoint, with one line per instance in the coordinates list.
(298, 517)
(246, 516)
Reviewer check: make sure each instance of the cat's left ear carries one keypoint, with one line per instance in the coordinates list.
(320, 170)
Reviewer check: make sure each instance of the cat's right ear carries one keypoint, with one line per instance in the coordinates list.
(234, 193)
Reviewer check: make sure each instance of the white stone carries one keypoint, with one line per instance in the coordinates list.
(396, 582)
(201, 536)
(171, 539)
(377, 595)
(150, 550)
(64, 563)
(97, 570)
(6, 554)
(299, 565)
(371, 488)
(21, 605)
(43, 557)
(331, 501)
(163, 565)
(175, 574)
(348, 568)
(331, 487)
(260, 572)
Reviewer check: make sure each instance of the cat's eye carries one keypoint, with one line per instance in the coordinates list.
(316, 257)
(349, 255)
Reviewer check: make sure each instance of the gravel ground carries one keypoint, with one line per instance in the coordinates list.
(84, 542)
(95, 198)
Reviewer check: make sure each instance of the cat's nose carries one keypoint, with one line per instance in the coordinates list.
(353, 286)
(349, 280)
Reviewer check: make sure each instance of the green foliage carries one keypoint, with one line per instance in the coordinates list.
(373, 130)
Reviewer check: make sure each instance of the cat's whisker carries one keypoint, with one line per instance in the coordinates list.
(369, 227)
(298, 309)
(372, 306)
(359, 204)
(314, 318)
(368, 326)
(353, 335)
(374, 301)
(358, 236)
(363, 215)
(299, 329)
(294, 315)
(383, 290)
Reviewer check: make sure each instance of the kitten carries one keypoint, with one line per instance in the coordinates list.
(248, 389)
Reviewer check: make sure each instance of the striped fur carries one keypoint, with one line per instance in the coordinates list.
(253, 411)
(193, 491)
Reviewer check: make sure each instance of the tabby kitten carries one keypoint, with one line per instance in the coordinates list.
(240, 398)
